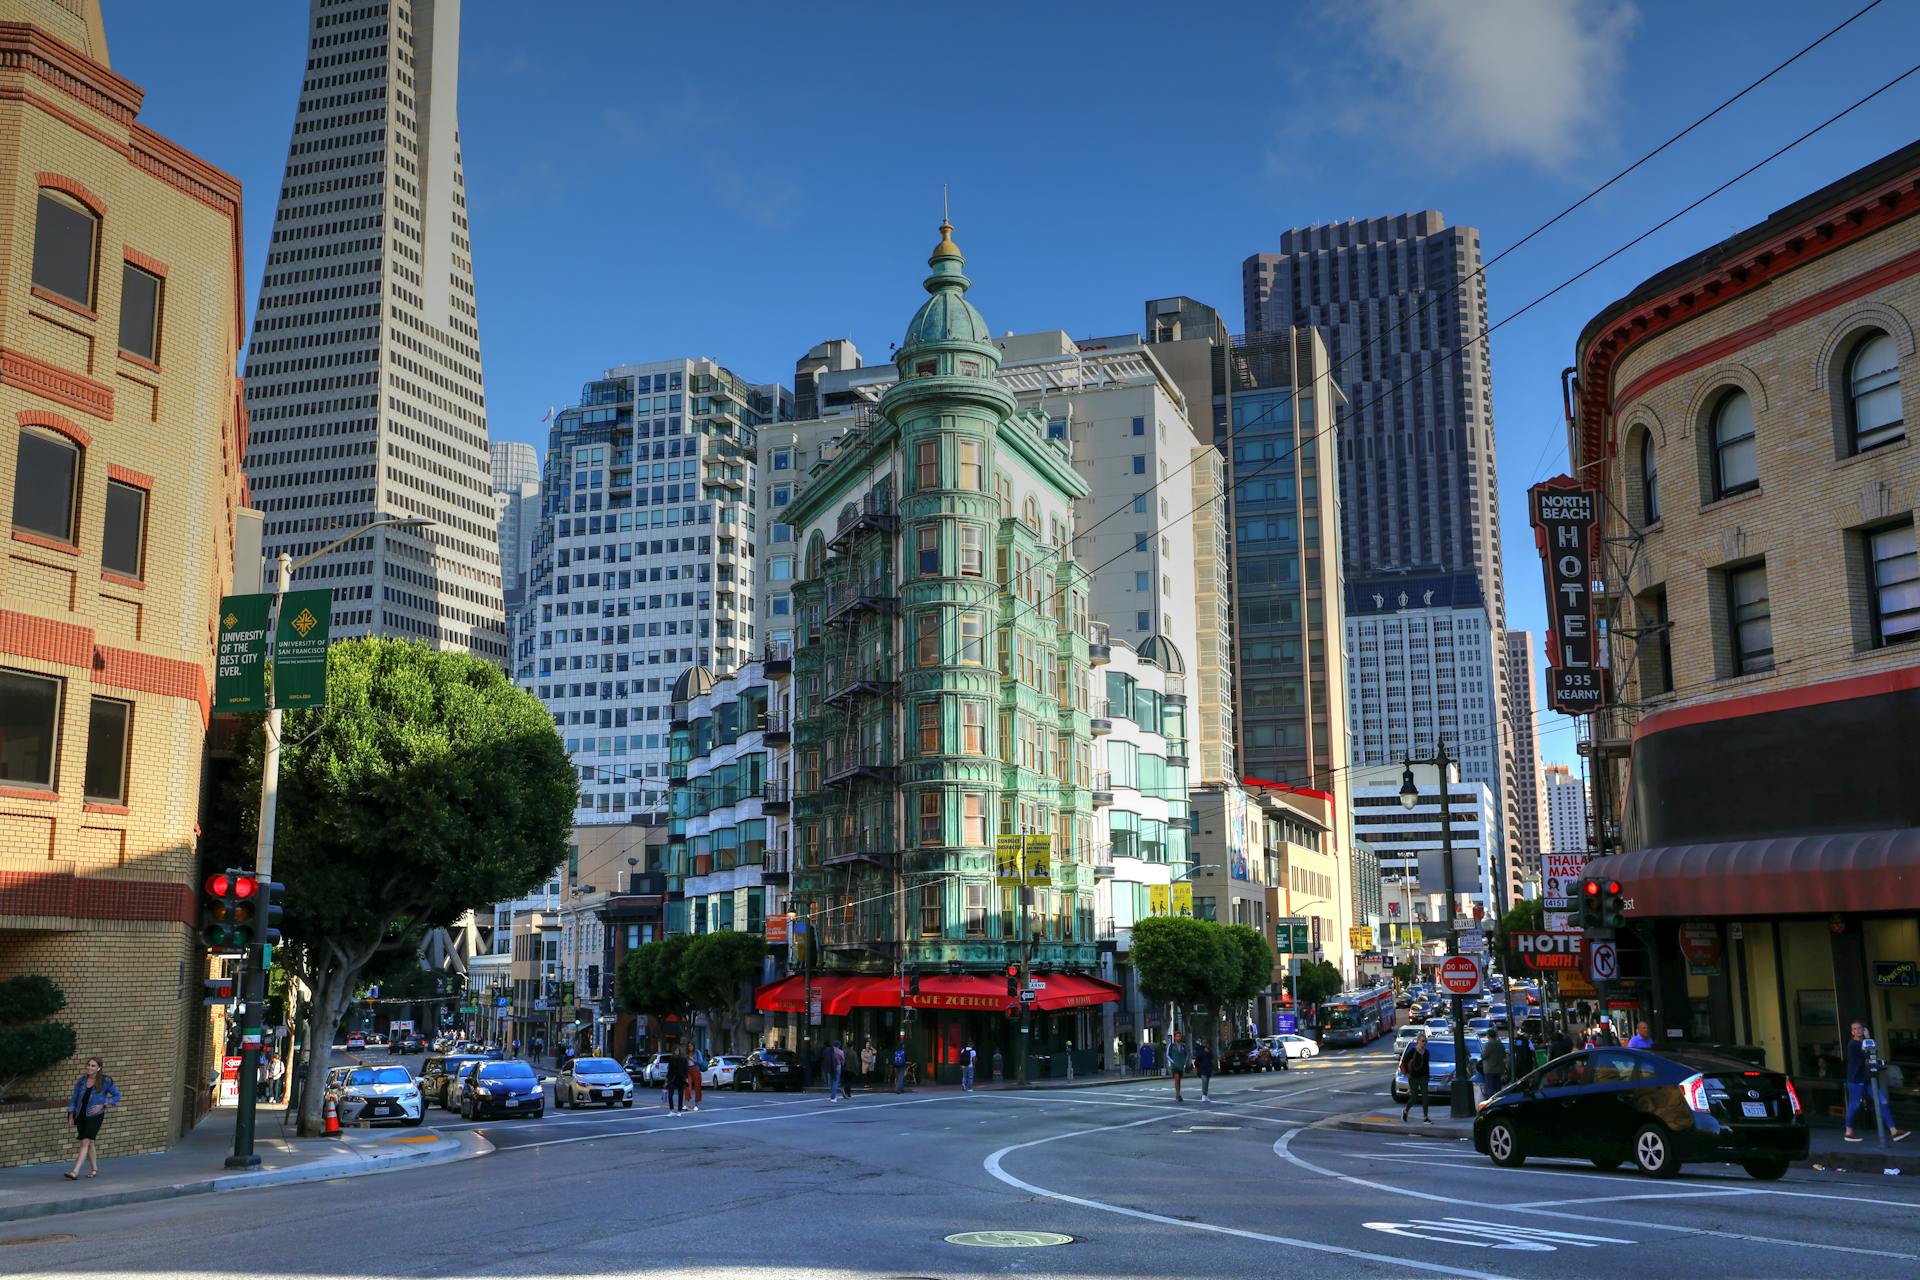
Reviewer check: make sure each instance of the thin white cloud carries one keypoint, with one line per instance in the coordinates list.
(1527, 79)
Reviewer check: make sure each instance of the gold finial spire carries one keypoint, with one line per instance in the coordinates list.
(946, 247)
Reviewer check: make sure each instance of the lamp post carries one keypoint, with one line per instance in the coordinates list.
(253, 975)
(1461, 1095)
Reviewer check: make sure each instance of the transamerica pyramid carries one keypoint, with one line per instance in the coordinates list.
(363, 382)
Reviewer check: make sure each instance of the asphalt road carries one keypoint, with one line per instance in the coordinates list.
(791, 1185)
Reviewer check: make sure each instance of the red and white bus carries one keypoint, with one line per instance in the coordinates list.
(1354, 1017)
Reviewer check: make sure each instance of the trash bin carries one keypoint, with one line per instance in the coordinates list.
(1148, 1062)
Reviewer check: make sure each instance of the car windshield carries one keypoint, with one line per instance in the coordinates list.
(1240, 1046)
(729, 1060)
(778, 1055)
(378, 1075)
(595, 1066)
(1341, 1017)
(516, 1071)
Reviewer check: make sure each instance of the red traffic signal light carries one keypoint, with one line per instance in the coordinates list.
(1591, 889)
(218, 885)
(1613, 886)
(245, 886)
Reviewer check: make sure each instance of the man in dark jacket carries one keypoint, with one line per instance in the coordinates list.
(676, 1081)
(1558, 1045)
(1203, 1067)
(1493, 1062)
(1417, 1066)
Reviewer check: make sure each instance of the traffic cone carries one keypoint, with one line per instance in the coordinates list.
(333, 1120)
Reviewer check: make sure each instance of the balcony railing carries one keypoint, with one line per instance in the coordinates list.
(1097, 716)
(778, 659)
(873, 515)
(1102, 787)
(860, 681)
(776, 796)
(874, 762)
(776, 728)
(1176, 687)
(778, 865)
(852, 600)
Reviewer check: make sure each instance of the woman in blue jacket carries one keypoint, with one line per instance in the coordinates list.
(93, 1093)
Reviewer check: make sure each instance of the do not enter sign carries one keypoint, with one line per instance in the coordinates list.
(1460, 976)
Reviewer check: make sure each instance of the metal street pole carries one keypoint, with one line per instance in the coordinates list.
(253, 974)
(1461, 1095)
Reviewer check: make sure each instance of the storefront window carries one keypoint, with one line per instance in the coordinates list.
(1813, 1014)
(1893, 953)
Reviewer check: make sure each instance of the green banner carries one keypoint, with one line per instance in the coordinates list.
(300, 649)
(240, 668)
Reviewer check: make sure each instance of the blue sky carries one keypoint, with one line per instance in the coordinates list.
(742, 181)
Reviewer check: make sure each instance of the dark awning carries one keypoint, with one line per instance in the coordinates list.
(1853, 871)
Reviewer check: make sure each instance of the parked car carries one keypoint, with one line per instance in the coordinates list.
(1295, 1047)
(1658, 1110)
(593, 1080)
(722, 1071)
(454, 1091)
(655, 1072)
(770, 1069)
(436, 1075)
(1439, 1068)
(1245, 1054)
(502, 1088)
(374, 1094)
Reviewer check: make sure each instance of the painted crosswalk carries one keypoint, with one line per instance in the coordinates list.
(1475, 1233)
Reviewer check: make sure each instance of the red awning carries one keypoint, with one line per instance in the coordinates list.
(837, 993)
(1789, 875)
(1071, 991)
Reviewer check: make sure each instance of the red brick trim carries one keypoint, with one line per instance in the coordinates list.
(127, 475)
(26, 636)
(63, 894)
(65, 304)
(144, 262)
(18, 369)
(45, 543)
(74, 188)
(149, 673)
(142, 361)
(119, 581)
(54, 422)
(90, 807)
(69, 70)
(28, 793)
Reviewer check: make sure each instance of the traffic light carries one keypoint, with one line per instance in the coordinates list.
(270, 911)
(913, 984)
(1013, 982)
(1613, 905)
(1589, 905)
(228, 913)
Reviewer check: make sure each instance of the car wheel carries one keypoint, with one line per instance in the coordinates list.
(627, 1103)
(1653, 1152)
(1503, 1145)
(756, 1084)
(1765, 1170)
(541, 1112)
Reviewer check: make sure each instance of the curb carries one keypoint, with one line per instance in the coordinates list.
(351, 1162)
(1360, 1124)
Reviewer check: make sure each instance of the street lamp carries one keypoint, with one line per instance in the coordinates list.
(1461, 1095)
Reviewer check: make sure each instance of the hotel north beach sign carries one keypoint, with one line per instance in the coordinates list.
(1565, 515)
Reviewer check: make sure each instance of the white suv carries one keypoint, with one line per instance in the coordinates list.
(374, 1094)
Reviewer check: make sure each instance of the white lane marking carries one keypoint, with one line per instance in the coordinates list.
(1475, 1234)
(994, 1167)
(1282, 1145)
(1436, 1160)
(1641, 1195)
(716, 1124)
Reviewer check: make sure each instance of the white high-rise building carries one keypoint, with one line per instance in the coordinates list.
(363, 379)
(1567, 810)
(1420, 671)
(1529, 795)
(1399, 836)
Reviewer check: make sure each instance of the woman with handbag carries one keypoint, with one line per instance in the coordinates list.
(92, 1094)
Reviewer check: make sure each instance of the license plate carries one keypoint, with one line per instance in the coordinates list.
(1758, 1110)
(517, 1102)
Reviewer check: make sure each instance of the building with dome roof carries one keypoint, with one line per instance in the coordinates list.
(940, 697)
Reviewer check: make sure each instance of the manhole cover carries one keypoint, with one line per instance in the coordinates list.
(1008, 1239)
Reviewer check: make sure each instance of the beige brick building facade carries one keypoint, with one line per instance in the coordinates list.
(1742, 411)
(121, 314)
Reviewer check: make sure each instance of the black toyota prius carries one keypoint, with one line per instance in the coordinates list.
(1658, 1110)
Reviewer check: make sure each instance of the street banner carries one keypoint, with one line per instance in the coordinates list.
(1565, 514)
(776, 928)
(1006, 859)
(240, 663)
(300, 648)
(1183, 899)
(1039, 859)
(1360, 937)
(1156, 900)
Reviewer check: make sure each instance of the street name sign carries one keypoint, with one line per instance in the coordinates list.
(1460, 976)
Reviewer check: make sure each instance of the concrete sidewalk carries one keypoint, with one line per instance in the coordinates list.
(193, 1166)
(1828, 1149)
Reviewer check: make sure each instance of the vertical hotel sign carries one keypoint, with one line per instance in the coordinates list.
(1564, 516)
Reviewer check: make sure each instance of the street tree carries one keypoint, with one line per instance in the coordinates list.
(428, 786)
(29, 1041)
(715, 971)
(652, 978)
(1247, 965)
(1317, 980)
(1174, 959)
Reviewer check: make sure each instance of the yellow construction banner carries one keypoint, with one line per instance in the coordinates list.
(1006, 859)
(1183, 899)
(1040, 859)
(1156, 899)
(1360, 937)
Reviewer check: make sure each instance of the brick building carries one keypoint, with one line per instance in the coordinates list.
(1742, 410)
(121, 316)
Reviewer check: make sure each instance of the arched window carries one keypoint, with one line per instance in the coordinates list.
(1873, 394)
(46, 484)
(1649, 480)
(1736, 466)
(64, 236)
(816, 555)
(1030, 513)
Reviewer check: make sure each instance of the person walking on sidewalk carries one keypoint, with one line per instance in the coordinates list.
(869, 1058)
(1417, 1066)
(1177, 1058)
(900, 1066)
(1642, 1037)
(967, 1055)
(838, 1064)
(696, 1068)
(1860, 1083)
(1493, 1062)
(92, 1094)
(277, 1080)
(1203, 1067)
(676, 1081)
